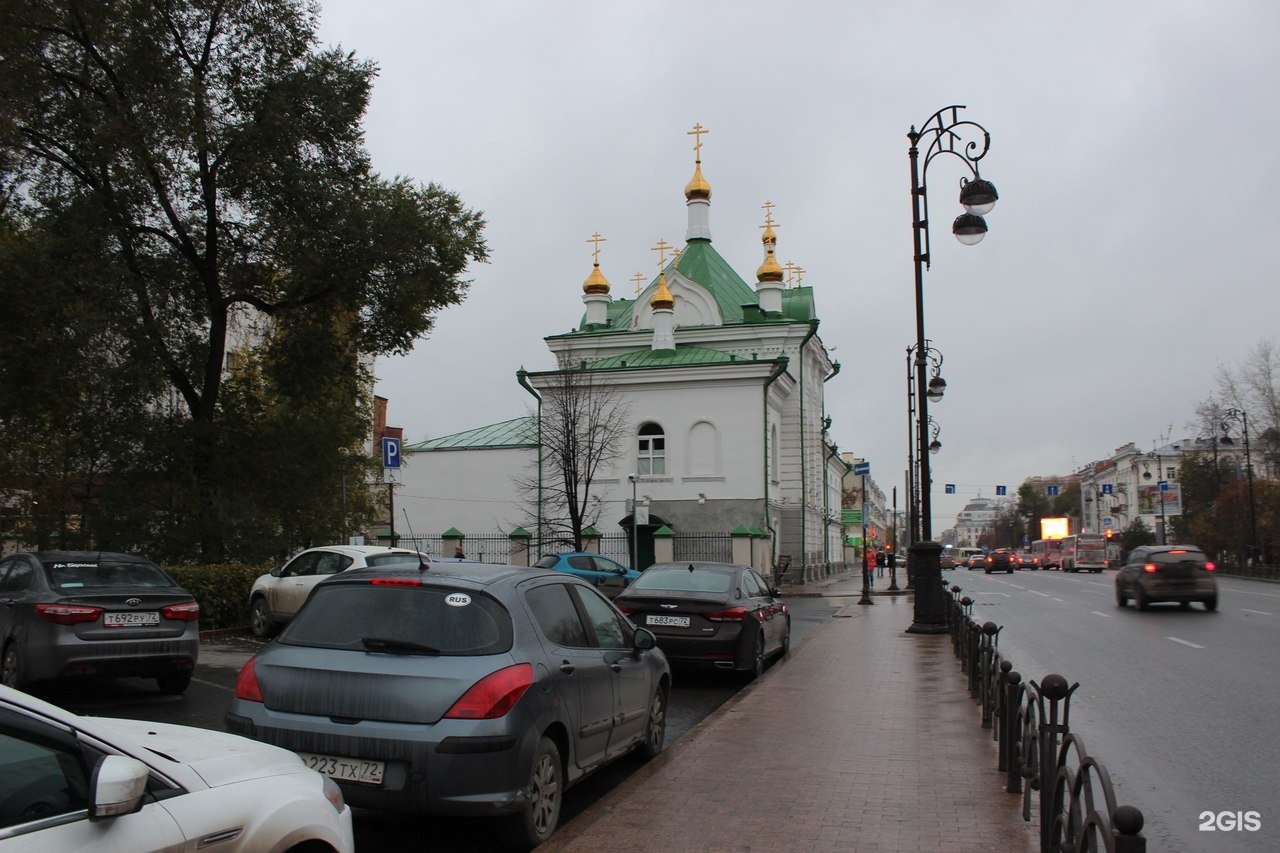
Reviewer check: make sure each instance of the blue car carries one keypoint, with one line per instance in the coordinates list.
(609, 577)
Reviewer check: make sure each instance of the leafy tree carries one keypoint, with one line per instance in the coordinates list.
(1137, 533)
(210, 156)
(582, 424)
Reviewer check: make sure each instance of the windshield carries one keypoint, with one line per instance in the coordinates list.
(105, 575)
(401, 619)
(683, 580)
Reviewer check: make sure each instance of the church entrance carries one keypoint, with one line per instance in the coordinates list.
(643, 540)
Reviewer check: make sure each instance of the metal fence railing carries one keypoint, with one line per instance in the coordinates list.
(1077, 806)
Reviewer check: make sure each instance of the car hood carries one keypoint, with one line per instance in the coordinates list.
(217, 757)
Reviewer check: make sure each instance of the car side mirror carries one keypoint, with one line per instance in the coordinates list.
(643, 640)
(776, 592)
(275, 573)
(117, 786)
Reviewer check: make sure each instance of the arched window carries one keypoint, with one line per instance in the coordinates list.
(702, 451)
(651, 451)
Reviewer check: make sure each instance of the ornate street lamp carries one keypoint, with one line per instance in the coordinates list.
(1241, 417)
(944, 133)
(934, 391)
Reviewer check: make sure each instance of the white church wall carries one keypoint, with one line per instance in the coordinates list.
(471, 490)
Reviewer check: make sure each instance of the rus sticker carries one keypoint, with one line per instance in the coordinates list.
(457, 599)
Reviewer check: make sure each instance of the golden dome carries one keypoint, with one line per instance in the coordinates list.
(770, 270)
(662, 297)
(697, 186)
(596, 282)
(769, 238)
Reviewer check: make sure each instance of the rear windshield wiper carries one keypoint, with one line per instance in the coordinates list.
(381, 644)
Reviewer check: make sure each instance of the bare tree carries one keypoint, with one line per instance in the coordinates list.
(582, 421)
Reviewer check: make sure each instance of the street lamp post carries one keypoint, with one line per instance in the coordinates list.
(1241, 417)
(935, 389)
(1162, 539)
(634, 546)
(944, 133)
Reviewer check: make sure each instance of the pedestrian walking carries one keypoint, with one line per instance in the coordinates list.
(879, 564)
(870, 564)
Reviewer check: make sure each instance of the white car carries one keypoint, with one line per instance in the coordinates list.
(275, 597)
(122, 786)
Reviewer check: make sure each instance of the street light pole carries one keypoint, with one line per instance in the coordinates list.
(945, 133)
(936, 387)
(634, 542)
(1241, 417)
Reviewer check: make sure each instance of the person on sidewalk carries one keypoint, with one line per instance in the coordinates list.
(870, 564)
(879, 564)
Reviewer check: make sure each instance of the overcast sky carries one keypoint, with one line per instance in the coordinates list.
(1133, 251)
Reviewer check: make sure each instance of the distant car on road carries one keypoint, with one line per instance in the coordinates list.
(88, 783)
(976, 561)
(1001, 559)
(710, 614)
(947, 560)
(1154, 573)
(75, 613)
(609, 576)
(276, 596)
(458, 689)
(1027, 560)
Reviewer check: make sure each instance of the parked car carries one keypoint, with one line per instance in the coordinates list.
(87, 783)
(1027, 560)
(609, 577)
(1180, 573)
(276, 596)
(976, 561)
(710, 614)
(947, 560)
(1001, 559)
(458, 689)
(78, 613)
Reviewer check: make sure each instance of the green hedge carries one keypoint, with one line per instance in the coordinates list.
(222, 590)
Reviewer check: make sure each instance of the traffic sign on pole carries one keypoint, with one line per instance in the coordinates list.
(390, 452)
(861, 469)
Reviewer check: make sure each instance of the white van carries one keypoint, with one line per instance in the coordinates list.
(962, 555)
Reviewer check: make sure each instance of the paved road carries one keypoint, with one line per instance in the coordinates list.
(1178, 704)
(694, 697)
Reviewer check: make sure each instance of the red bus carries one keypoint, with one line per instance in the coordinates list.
(1087, 551)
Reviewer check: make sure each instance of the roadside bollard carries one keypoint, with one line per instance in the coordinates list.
(1128, 821)
(986, 663)
(1010, 735)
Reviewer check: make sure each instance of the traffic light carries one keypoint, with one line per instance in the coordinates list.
(1108, 534)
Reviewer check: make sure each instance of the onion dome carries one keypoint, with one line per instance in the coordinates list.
(769, 238)
(596, 282)
(770, 270)
(662, 297)
(697, 188)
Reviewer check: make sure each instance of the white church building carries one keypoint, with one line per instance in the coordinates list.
(724, 385)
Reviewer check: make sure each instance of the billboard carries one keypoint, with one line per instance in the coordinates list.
(1150, 497)
(1054, 528)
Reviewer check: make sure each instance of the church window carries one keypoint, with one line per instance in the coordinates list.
(703, 449)
(651, 451)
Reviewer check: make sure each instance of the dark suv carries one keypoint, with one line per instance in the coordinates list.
(1180, 573)
(1001, 559)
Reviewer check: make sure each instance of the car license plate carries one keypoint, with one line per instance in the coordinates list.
(131, 618)
(673, 621)
(346, 769)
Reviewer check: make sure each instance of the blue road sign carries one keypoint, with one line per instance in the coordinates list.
(1108, 488)
(1002, 490)
(1164, 485)
(390, 453)
(1051, 491)
(951, 488)
(862, 468)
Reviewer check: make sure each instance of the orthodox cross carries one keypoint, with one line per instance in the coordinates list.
(696, 133)
(638, 278)
(596, 240)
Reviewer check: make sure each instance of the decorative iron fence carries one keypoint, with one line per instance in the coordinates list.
(488, 548)
(708, 547)
(1030, 722)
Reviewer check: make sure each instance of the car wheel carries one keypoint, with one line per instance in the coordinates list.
(1008, 571)
(1211, 604)
(11, 668)
(175, 684)
(1121, 599)
(534, 824)
(655, 732)
(786, 641)
(755, 667)
(1140, 600)
(986, 571)
(260, 619)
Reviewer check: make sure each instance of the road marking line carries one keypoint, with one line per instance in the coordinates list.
(1259, 612)
(1184, 642)
(1057, 599)
(1100, 613)
(214, 684)
(1045, 594)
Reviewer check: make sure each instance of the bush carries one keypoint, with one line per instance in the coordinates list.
(222, 590)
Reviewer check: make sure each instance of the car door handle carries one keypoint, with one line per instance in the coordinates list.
(568, 668)
(616, 666)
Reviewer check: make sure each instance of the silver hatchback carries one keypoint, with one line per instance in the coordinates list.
(457, 688)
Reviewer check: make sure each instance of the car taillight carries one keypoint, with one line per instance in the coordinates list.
(247, 683)
(494, 695)
(1150, 568)
(1208, 567)
(624, 608)
(733, 614)
(68, 614)
(396, 582)
(188, 612)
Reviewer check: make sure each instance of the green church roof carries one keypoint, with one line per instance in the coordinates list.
(519, 432)
(684, 356)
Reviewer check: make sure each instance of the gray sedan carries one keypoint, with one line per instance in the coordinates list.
(458, 688)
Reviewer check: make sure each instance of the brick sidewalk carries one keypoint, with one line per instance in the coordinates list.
(865, 739)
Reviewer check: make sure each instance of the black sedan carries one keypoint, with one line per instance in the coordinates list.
(710, 614)
(75, 613)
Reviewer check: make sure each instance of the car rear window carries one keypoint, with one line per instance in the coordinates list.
(425, 619)
(683, 580)
(1176, 556)
(391, 560)
(547, 561)
(105, 575)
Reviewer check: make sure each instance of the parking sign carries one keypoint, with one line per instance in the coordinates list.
(390, 452)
